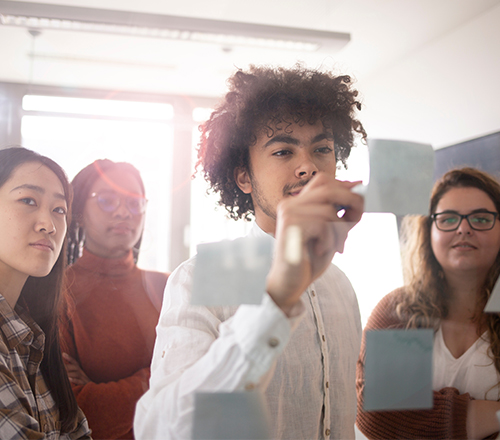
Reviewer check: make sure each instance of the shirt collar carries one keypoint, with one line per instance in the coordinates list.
(18, 327)
(258, 232)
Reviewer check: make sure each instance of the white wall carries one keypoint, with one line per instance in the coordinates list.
(446, 92)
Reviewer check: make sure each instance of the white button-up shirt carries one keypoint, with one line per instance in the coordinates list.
(305, 365)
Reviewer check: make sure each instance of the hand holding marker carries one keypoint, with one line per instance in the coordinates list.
(293, 249)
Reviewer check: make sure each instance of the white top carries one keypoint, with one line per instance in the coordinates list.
(474, 372)
(306, 365)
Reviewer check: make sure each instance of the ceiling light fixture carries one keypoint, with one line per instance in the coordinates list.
(226, 33)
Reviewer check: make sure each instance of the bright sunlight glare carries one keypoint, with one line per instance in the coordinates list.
(74, 143)
(99, 107)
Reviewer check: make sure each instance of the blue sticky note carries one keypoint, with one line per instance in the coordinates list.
(401, 177)
(232, 272)
(398, 370)
(231, 416)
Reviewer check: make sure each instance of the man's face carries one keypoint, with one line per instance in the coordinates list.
(281, 165)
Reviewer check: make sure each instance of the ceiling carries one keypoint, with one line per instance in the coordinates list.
(383, 33)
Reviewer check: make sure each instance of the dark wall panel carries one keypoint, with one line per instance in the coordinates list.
(482, 153)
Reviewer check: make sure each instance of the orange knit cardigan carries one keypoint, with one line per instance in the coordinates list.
(108, 326)
(447, 418)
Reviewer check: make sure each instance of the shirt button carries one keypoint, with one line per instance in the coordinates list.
(313, 293)
(327, 432)
(323, 337)
(273, 342)
(327, 384)
(249, 386)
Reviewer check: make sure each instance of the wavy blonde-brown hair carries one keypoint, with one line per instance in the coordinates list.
(426, 297)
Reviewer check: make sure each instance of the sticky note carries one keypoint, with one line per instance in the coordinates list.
(232, 272)
(398, 369)
(493, 304)
(231, 416)
(401, 177)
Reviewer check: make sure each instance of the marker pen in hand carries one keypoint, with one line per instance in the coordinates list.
(359, 189)
(293, 245)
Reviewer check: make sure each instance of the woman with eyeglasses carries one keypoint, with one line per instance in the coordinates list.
(452, 264)
(112, 305)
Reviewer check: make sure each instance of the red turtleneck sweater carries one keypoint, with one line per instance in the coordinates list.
(109, 328)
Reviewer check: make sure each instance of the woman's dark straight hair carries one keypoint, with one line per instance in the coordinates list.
(42, 296)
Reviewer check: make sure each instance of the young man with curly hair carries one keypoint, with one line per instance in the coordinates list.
(270, 149)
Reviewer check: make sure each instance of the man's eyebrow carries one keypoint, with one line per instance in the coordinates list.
(322, 136)
(283, 139)
(287, 139)
(39, 190)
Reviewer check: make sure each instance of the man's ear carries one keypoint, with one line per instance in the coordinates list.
(242, 179)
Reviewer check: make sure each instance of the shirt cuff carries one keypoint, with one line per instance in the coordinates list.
(262, 331)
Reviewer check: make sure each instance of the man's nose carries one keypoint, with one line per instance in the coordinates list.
(306, 167)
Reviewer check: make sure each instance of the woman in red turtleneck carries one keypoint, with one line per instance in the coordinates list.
(108, 325)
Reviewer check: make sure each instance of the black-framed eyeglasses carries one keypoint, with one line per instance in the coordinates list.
(109, 201)
(479, 221)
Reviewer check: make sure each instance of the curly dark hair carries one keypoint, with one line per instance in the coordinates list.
(264, 98)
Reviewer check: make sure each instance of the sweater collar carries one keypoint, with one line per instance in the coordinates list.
(108, 266)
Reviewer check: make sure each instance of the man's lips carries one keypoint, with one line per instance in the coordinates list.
(44, 245)
(295, 189)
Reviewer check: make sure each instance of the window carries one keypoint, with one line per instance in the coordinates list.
(76, 131)
(209, 221)
(371, 258)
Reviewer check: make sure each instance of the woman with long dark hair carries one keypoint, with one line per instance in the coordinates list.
(452, 264)
(36, 400)
(112, 305)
